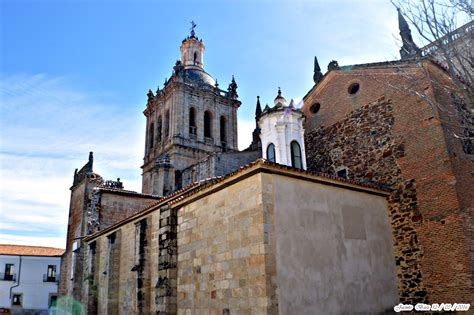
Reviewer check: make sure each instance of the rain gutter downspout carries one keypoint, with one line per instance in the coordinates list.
(18, 282)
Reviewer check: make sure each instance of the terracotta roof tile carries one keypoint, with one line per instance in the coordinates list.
(23, 250)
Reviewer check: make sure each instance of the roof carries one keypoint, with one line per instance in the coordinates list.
(198, 76)
(259, 166)
(375, 65)
(24, 250)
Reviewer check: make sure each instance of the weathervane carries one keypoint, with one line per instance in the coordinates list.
(193, 26)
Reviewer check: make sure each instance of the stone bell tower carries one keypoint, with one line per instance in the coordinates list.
(187, 119)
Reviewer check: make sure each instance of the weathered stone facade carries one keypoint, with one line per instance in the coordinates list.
(245, 242)
(217, 164)
(95, 204)
(406, 141)
(189, 118)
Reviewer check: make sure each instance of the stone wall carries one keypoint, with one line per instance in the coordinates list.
(365, 144)
(333, 248)
(213, 247)
(218, 164)
(221, 252)
(116, 206)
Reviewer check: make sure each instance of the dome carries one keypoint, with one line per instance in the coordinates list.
(198, 76)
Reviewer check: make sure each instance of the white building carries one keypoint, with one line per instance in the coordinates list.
(282, 133)
(29, 277)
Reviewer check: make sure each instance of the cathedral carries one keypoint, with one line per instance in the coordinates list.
(363, 194)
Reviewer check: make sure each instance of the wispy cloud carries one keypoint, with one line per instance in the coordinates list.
(47, 129)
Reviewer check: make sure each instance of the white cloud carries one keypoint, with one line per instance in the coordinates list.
(47, 130)
(58, 242)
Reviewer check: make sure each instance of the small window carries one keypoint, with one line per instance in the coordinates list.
(315, 108)
(111, 238)
(51, 274)
(296, 160)
(271, 153)
(53, 299)
(353, 88)
(342, 173)
(9, 272)
(16, 299)
(195, 57)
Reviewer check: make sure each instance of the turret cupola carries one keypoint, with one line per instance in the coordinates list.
(280, 101)
(192, 51)
(282, 133)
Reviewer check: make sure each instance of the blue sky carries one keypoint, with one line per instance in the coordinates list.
(74, 77)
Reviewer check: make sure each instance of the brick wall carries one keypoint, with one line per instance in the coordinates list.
(364, 143)
(415, 147)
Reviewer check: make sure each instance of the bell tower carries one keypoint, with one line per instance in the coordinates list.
(188, 119)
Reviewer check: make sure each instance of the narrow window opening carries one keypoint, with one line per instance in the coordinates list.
(178, 179)
(159, 126)
(195, 57)
(271, 153)
(167, 124)
(223, 133)
(192, 122)
(151, 135)
(92, 254)
(207, 124)
(296, 160)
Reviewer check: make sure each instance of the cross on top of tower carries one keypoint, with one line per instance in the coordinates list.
(193, 26)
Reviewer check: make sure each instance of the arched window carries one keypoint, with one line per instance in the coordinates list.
(195, 57)
(167, 124)
(207, 124)
(223, 131)
(271, 153)
(192, 122)
(151, 136)
(296, 160)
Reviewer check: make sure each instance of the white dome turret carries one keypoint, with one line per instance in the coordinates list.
(282, 134)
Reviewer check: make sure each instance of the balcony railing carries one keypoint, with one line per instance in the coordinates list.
(7, 277)
(47, 278)
(208, 140)
(192, 132)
